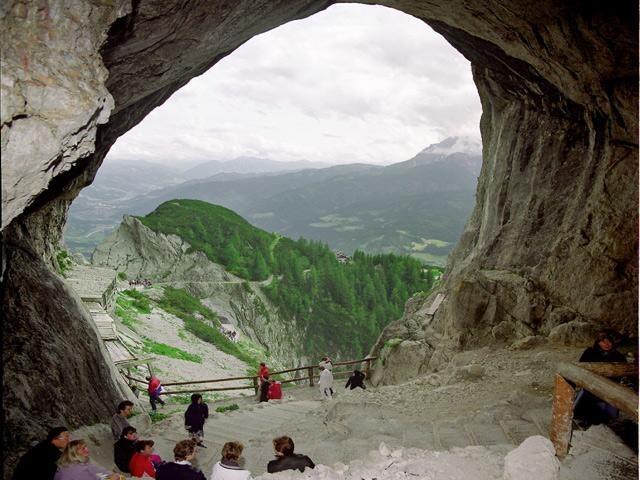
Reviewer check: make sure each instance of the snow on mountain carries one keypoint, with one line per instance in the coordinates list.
(451, 145)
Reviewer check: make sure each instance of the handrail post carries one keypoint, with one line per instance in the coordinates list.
(562, 416)
(255, 385)
(310, 369)
(367, 369)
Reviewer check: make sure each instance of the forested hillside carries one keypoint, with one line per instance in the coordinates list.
(341, 307)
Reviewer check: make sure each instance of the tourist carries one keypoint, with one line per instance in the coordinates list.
(263, 372)
(124, 448)
(264, 389)
(154, 388)
(228, 468)
(286, 459)
(356, 380)
(41, 460)
(74, 464)
(589, 409)
(195, 417)
(140, 463)
(326, 363)
(119, 420)
(326, 383)
(180, 469)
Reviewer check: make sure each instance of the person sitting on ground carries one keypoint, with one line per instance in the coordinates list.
(356, 380)
(74, 464)
(286, 459)
(180, 469)
(140, 463)
(589, 409)
(119, 420)
(264, 389)
(195, 417)
(154, 388)
(41, 460)
(124, 448)
(228, 468)
(326, 383)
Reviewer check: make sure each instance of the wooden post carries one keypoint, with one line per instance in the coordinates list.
(255, 385)
(310, 369)
(150, 369)
(562, 416)
(367, 369)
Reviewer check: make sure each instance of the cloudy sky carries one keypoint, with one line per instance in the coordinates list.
(354, 83)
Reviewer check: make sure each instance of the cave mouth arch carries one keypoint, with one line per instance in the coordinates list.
(552, 241)
(353, 99)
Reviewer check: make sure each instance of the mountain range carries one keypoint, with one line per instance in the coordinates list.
(416, 207)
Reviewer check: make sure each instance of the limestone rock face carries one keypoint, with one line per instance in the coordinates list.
(167, 259)
(553, 237)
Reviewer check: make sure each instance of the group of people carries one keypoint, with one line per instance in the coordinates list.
(230, 334)
(140, 283)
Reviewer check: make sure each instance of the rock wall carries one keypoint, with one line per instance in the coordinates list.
(167, 259)
(553, 236)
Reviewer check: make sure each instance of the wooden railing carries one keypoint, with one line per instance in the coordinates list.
(310, 376)
(593, 377)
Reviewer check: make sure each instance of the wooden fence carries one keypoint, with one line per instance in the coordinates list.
(593, 377)
(310, 375)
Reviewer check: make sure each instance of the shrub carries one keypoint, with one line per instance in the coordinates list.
(122, 276)
(228, 408)
(169, 351)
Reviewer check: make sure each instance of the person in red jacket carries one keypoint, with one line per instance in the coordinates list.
(263, 372)
(141, 463)
(154, 391)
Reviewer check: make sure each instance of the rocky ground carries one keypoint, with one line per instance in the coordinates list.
(459, 423)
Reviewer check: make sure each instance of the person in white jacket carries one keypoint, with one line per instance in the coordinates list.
(228, 468)
(326, 383)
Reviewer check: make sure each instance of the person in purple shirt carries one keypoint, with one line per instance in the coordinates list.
(74, 465)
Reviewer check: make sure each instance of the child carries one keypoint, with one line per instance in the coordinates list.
(194, 418)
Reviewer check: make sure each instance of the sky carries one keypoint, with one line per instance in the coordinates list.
(354, 83)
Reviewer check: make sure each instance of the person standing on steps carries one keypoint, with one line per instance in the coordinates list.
(74, 464)
(264, 389)
(140, 463)
(286, 459)
(263, 372)
(41, 460)
(181, 469)
(328, 364)
(195, 417)
(154, 388)
(356, 380)
(119, 420)
(124, 448)
(326, 383)
(228, 468)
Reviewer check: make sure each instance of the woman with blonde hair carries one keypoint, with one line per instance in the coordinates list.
(228, 468)
(74, 465)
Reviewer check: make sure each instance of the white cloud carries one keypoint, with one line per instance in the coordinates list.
(354, 83)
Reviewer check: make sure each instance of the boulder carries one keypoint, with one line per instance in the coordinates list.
(528, 343)
(534, 459)
(574, 333)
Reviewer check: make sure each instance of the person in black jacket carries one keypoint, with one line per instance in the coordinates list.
(40, 462)
(184, 452)
(356, 380)
(286, 459)
(194, 418)
(264, 389)
(589, 409)
(124, 448)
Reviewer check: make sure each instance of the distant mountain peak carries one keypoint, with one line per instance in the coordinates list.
(451, 145)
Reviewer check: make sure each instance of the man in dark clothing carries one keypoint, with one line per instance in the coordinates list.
(184, 452)
(286, 459)
(356, 380)
(40, 461)
(194, 418)
(589, 409)
(124, 448)
(264, 389)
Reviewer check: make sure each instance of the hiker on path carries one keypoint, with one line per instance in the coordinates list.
(119, 420)
(154, 389)
(263, 372)
(140, 463)
(326, 363)
(41, 460)
(228, 468)
(74, 464)
(264, 389)
(195, 417)
(356, 380)
(286, 459)
(326, 383)
(589, 409)
(124, 448)
(181, 469)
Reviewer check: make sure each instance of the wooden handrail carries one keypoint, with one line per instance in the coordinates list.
(590, 377)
